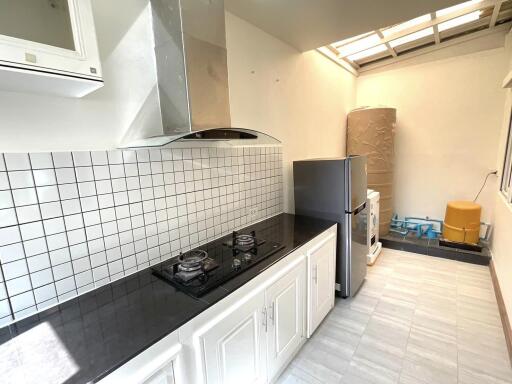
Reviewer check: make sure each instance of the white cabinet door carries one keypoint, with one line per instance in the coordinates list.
(286, 305)
(164, 376)
(321, 281)
(235, 347)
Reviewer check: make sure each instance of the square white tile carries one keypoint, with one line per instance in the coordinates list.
(8, 217)
(28, 213)
(65, 175)
(14, 269)
(42, 277)
(11, 252)
(17, 161)
(84, 174)
(62, 271)
(26, 196)
(65, 285)
(18, 285)
(54, 226)
(60, 256)
(38, 263)
(23, 301)
(41, 160)
(71, 207)
(6, 200)
(21, 179)
(82, 159)
(81, 265)
(35, 247)
(44, 177)
(48, 194)
(51, 210)
(32, 230)
(9, 235)
(57, 241)
(115, 157)
(45, 293)
(99, 158)
(62, 159)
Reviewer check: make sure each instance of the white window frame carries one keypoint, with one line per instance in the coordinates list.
(506, 178)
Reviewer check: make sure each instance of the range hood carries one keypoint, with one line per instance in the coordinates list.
(192, 70)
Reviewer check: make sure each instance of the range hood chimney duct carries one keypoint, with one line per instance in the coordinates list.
(192, 68)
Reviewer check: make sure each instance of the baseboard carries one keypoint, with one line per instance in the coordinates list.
(503, 310)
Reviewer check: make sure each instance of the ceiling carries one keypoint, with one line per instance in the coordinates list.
(309, 24)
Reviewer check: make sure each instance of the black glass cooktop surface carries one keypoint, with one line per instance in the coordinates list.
(223, 263)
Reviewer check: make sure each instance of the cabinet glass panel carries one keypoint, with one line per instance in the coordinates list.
(41, 21)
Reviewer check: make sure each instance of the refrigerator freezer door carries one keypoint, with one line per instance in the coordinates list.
(356, 182)
(353, 256)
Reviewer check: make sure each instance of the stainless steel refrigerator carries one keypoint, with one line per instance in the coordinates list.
(335, 189)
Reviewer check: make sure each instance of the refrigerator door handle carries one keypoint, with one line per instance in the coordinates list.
(358, 209)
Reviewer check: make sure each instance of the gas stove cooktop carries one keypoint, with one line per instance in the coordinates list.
(219, 262)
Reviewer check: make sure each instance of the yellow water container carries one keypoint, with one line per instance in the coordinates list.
(462, 222)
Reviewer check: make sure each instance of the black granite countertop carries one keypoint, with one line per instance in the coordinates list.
(86, 338)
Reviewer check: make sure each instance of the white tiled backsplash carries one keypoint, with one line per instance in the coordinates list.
(70, 222)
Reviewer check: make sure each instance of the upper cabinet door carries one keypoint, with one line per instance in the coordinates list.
(234, 349)
(49, 37)
(286, 301)
(321, 281)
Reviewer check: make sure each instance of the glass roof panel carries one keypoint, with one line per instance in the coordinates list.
(473, 16)
(457, 7)
(413, 36)
(400, 27)
(359, 45)
(367, 52)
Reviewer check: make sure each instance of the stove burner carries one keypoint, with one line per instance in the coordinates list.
(245, 240)
(192, 261)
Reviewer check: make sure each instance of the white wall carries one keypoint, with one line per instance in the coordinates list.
(449, 112)
(300, 98)
(501, 242)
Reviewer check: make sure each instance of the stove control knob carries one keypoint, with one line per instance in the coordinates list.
(236, 263)
(247, 257)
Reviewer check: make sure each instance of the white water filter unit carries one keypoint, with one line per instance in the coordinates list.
(374, 246)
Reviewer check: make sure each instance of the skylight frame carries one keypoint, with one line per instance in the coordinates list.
(424, 30)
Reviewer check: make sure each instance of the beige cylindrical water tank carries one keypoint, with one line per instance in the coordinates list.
(370, 131)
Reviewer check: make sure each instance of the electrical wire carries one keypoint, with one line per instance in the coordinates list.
(483, 185)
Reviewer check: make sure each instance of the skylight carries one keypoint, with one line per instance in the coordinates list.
(475, 16)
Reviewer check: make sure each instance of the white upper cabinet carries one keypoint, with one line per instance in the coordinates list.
(49, 46)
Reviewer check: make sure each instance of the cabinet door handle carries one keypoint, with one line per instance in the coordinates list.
(272, 313)
(264, 316)
(315, 274)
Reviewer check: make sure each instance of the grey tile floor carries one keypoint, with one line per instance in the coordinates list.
(416, 320)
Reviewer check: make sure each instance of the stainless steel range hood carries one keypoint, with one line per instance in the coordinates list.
(192, 70)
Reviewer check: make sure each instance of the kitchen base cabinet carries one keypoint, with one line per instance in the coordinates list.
(286, 306)
(234, 349)
(163, 376)
(321, 258)
(156, 365)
